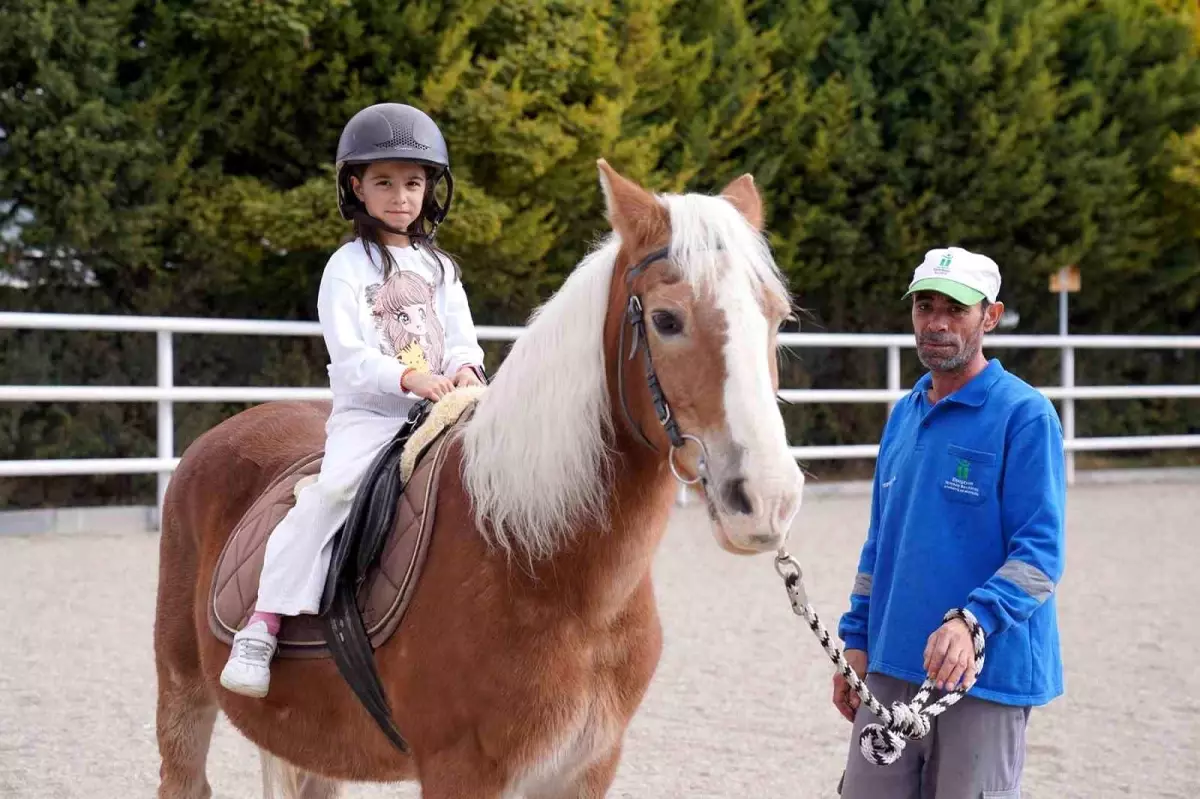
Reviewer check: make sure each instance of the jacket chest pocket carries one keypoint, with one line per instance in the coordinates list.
(968, 475)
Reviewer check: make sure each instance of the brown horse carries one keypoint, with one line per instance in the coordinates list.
(533, 632)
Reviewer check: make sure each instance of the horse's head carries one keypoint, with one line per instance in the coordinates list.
(695, 304)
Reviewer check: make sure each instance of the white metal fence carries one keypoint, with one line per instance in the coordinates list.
(166, 394)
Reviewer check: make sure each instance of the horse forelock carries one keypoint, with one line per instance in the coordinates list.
(711, 242)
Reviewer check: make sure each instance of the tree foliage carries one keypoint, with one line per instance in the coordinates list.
(175, 157)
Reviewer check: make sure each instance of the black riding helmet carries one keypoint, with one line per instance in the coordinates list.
(393, 131)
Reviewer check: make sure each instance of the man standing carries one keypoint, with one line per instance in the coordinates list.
(967, 510)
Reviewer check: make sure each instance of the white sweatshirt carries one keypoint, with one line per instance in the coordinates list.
(377, 330)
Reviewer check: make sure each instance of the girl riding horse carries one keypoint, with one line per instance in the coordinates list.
(395, 324)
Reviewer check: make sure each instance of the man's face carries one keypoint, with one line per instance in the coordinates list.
(948, 333)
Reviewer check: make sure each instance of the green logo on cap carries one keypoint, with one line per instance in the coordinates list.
(944, 265)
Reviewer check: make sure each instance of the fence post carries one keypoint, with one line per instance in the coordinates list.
(166, 416)
(1068, 418)
(893, 372)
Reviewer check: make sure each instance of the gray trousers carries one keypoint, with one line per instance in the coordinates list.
(975, 750)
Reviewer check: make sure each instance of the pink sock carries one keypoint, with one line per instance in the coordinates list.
(270, 619)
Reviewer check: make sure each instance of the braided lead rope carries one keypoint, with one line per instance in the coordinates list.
(881, 744)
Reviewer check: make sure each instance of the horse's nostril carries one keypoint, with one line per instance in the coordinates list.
(735, 496)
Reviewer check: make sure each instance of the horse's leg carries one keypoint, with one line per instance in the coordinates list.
(186, 714)
(600, 776)
(593, 783)
(282, 780)
(186, 710)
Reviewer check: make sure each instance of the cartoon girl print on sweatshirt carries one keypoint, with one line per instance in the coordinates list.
(409, 328)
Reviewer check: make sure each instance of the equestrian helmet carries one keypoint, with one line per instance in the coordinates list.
(393, 131)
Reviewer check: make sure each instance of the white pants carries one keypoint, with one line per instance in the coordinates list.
(298, 551)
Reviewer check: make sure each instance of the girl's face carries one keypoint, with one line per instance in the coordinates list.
(392, 191)
(412, 319)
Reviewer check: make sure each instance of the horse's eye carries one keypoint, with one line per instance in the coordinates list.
(667, 323)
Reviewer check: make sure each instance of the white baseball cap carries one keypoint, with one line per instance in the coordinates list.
(962, 275)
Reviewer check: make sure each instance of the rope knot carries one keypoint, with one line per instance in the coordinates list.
(880, 745)
(909, 721)
(883, 745)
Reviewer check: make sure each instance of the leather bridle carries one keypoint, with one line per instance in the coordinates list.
(635, 320)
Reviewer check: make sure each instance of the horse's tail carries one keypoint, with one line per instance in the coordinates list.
(282, 780)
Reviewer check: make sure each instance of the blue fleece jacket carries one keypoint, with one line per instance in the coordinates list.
(967, 510)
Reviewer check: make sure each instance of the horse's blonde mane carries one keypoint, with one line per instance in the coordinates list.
(537, 460)
(535, 455)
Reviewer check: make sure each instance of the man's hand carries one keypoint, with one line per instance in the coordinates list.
(845, 699)
(466, 377)
(950, 656)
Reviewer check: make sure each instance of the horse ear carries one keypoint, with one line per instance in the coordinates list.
(743, 194)
(634, 213)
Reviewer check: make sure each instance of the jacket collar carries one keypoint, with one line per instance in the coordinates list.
(975, 392)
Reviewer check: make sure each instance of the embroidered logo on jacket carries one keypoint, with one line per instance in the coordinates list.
(961, 482)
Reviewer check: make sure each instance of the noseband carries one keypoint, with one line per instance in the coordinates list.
(636, 319)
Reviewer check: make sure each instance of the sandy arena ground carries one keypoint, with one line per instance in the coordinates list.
(740, 705)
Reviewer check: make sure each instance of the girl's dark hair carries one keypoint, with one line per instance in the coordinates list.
(370, 230)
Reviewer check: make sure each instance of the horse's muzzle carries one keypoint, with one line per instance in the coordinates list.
(750, 521)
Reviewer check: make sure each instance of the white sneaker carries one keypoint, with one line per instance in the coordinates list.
(248, 671)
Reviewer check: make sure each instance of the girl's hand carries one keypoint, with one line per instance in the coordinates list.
(425, 385)
(466, 377)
